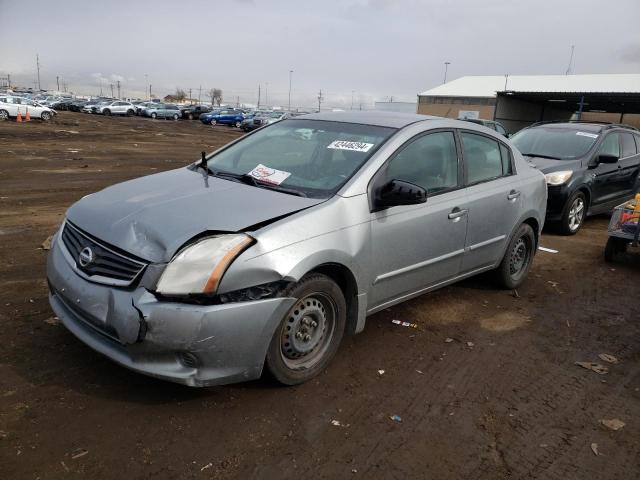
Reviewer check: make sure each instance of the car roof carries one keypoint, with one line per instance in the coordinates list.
(589, 127)
(371, 117)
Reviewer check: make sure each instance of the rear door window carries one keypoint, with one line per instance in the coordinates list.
(483, 158)
(628, 145)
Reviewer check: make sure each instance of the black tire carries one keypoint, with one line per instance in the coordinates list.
(4, 115)
(175, 116)
(213, 122)
(310, 333)
(130, 113)
(106, 112)
(569, 223)
(517, 260)
(46, 116)
(237, 124)
(154, 115)
(614, 247)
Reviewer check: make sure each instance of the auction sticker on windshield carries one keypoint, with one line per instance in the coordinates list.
(353, 146)
(585, 134)
(265, 174)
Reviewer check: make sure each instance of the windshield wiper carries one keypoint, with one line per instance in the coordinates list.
(539, 155)
(250, 180)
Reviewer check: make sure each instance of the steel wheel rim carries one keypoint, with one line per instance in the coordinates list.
(45, 116)
(307, 331)
(576, 214)
(519, 257)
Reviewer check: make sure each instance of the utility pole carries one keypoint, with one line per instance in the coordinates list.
(506, 79)
(258, 96)
(149, 91)
(266, 94)
(147, 86)
(118, 83)
(238, 101)
(352, 92)
(38, 67)
(290, 73)
(446, 67)
(111, 85)
(58, 82)
(573, 47)
(320, 99)
(199, 94)
(190, 97)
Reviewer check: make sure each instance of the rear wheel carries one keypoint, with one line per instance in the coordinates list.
(516, 263)
(213, 122)
(154, 115)
(4, 115)
(190, 116)
(574, 213)
(237, 124)
(46, 116)
(130, 113)
(106, 111)
(308, 336)
(175, 116)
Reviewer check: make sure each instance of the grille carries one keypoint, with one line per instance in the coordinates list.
(107, 265)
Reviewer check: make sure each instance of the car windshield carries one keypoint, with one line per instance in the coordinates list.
(560, 143)
(312, 157)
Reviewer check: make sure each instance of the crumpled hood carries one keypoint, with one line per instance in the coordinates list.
(151, 217)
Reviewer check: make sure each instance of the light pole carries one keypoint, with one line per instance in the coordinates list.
(446, 67)
(290, 74)
(146, 86)
(352, 92)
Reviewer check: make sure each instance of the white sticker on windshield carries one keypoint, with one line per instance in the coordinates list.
(353, 146)
(585, 134)
(265, 174)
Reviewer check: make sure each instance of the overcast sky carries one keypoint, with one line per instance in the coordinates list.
(375, 48)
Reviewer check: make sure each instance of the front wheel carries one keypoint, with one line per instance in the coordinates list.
(106, 112)
(573, 214)
(130, 113)
(237, 124)
(213, 122)
(4, 115)
(308, 336)
(154, 115)
(46, 116)
(175, 116)
(517, 260)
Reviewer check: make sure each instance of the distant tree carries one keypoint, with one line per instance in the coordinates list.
(180, 95)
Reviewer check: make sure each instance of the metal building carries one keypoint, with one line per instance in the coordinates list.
(520, 100)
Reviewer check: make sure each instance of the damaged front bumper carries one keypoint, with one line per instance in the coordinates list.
(196, 345)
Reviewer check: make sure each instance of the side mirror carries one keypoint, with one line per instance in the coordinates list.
(398, 192)
(606, 158)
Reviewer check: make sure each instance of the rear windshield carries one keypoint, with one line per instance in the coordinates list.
(561, 143)
(313, 157)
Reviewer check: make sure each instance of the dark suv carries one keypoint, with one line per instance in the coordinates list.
(589, 167)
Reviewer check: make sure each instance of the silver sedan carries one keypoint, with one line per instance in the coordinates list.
(262, 255)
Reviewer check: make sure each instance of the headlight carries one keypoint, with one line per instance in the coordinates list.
(199, 267)
(558, 178)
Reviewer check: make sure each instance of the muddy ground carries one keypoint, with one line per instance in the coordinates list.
(486, 386)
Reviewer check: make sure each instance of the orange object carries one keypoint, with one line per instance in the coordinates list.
(19, 117)
(27, 117)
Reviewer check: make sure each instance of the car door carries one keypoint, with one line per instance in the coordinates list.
(606, 181)
(494, 199)
(418, 246)
(628, 165)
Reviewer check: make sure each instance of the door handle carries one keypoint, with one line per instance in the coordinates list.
(456, 214)
(513, 194)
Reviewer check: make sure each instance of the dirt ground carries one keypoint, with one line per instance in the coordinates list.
(486, 387)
